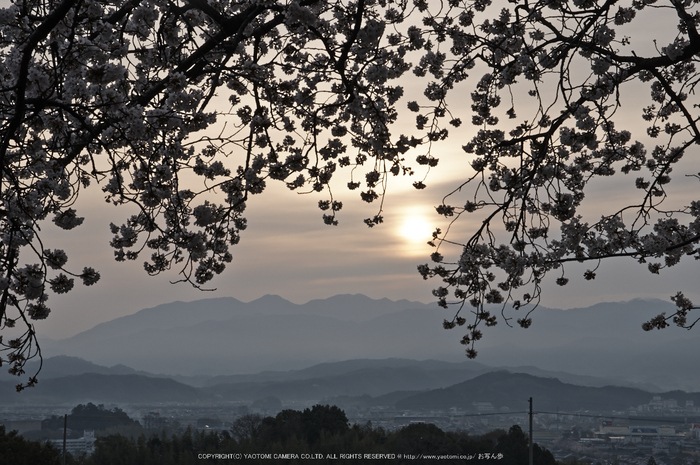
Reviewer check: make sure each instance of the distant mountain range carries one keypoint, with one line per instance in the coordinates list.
(347, 378)
(406, 385)
(219, 336)
(225, 336)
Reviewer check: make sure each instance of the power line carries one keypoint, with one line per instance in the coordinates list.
(561, 413)
(486, 414)
(654, 419)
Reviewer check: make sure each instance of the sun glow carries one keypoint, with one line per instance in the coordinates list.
(416, 229)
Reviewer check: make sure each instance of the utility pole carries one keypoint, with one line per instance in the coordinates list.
(531, 461)
(65, 427)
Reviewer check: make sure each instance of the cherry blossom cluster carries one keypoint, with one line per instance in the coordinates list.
(549, 78)
(182, 109)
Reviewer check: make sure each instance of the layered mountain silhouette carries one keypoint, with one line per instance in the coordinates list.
(405, 385)
(227, 337)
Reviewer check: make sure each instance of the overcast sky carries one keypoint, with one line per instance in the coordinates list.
(287, 250)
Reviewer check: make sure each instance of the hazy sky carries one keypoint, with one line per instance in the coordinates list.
(288, 251)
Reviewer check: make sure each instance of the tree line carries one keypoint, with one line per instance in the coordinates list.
(91, 417)
(321, 431)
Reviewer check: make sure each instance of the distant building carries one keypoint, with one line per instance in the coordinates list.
(404, 420)
(483, 407)
(634, 433)
(610, 430)
(76, 447)
(695, 430)
(657, 404)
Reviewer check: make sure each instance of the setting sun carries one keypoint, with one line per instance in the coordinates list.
(416, 228)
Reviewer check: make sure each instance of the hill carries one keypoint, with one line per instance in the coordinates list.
(99, 388)
(403, 388)
(511, 391)
(213, 337)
